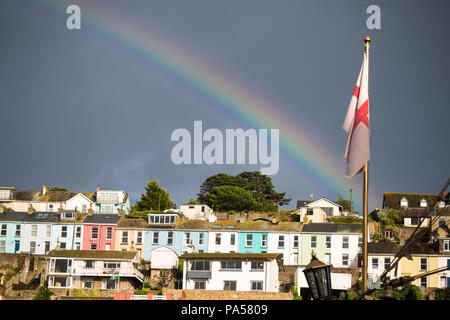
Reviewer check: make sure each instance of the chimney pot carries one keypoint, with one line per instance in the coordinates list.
(44, 189)
(31, 209)
(2, 209)
(99, 187)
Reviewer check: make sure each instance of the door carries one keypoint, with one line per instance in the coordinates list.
(47, 246)
(16, 246)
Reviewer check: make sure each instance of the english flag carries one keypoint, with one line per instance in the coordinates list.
(356, 124)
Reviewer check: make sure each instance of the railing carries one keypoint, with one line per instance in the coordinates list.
(101, 271)
(139, 297)
(157, 297)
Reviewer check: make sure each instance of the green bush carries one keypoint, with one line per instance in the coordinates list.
(44, 293)
(295, 294)
(351, 295)
(142, 292)
(443, 294)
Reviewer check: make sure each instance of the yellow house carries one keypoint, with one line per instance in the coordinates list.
(130, 233)
(423, 258)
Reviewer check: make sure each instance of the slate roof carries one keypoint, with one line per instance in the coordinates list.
(302, 203)
(332, 227)
(392, 200)
(41, 217)
(50, 196)
(233, 255)
(382, 248)
(12, 216)
(93, 254)
(102, 219)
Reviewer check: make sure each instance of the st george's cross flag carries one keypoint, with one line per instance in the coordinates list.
(356, 124)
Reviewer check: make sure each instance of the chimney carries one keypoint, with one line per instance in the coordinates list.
(311, 198)
(2, 209)
(99, 188)
(58, 246)
(191, 248)
(31, 209)
(44, 189)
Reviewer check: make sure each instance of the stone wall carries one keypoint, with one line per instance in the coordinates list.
(226, 295)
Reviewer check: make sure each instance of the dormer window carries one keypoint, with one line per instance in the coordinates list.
(68, 215)
(423, 203)
(162, 218)
(404, 202)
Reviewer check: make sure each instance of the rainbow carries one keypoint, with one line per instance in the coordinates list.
(308, 157)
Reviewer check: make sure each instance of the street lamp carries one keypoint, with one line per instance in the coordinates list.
(317, 275)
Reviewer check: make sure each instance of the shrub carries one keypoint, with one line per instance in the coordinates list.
(443, 294)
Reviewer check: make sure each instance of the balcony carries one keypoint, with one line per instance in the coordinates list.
(100, 271)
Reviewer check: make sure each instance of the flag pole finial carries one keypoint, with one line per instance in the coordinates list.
(367, 39)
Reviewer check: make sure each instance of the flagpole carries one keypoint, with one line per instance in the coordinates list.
(365, 194)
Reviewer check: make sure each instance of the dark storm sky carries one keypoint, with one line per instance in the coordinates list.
(78, 111)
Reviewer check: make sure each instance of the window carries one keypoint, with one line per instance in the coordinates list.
(374, 263)
(109, 233)
(155, 237)
(295, 246)
(199, 284)
(313, 241)
(2, 246)
(263, 241)
(218, 236)
(84, 208)
(109, 284)
(203, 208)
(93, 246)
(328, 242)
(4, 194)
(170, 237)
(64, 232)
(200, 265)
(139, 237)
(345, 242)
(111, 264)
(359, 242)
(62, 245)
(232, 239)
(187, 237)
(387, 262)
(231, 264)
(280, 241)
(124, 238)
(68, 215)
(250, 240)
(446, 245)
(78, 232)
(423, 203)
(94, 233)
(77, 246)
(414, 221)
(404, 202)
(34, 230)
(423, 264)
(3, 230)
(106, 208)
(257, 266)
(256, 285)
(47, 246)
(309, 212)
(48, 231)
(50, 207)
(201, 238)
(423, 281)
(60, 282)
(108, 197)
(17, 230)
(345, 259)
(229, 285)
(88, 284)
(32, 246)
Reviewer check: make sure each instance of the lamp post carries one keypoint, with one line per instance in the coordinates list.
(317, 275)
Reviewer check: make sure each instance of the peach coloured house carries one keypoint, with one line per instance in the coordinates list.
(99, 231)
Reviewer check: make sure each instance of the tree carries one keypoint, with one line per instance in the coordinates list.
(155, 198)
(58, 189)
(346, 204)
(225, 198)
(193, 201)
(44, 293)
(260, 186)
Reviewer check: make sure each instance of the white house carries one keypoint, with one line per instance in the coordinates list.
(311, 215)
(231, 271)
(223, 236)
(284, 238)
(330, 207)
(93, 269)
(37, 232)
(196, 211)
(379, 256)
(339, 280)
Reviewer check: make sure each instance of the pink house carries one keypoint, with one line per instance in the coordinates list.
(99, 231)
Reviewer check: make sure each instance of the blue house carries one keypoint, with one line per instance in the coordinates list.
(67, 232)
(192, 234)
(253, 236)
(159, 232)
(11, 230)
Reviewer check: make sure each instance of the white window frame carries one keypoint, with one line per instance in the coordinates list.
(48, 231)
(109, 232)
(124, 236)
(186, 238)
(313, 241)
(170, 237)
(96, 233)
(4, 230)
(63, 231)
(139, 237)
(155, 238)
(249, 241)
(264, 241)
(18, 230)
(34, 230)
(256, 282)
(345, 242)
(281, 241)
